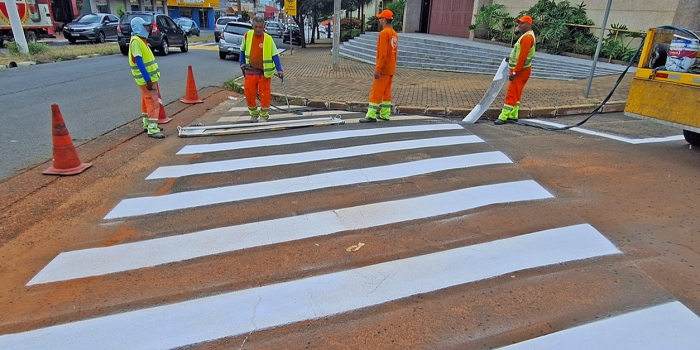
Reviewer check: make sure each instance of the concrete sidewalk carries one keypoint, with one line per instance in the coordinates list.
(310, 80)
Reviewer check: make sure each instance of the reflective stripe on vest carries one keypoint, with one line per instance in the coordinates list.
(148, 60)
(268, 64)
(515, 53)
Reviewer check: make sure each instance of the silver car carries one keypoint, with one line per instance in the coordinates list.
(221, 23)
(232, 37)
(274, 28)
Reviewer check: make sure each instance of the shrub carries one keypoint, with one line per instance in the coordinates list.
(34, 48)
(497, 24)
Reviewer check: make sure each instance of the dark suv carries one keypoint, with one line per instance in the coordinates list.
(165, 32)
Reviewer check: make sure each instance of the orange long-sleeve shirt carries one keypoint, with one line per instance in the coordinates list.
(525, 45)
(387, 49)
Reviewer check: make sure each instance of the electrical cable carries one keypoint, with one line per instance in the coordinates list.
(617, 83)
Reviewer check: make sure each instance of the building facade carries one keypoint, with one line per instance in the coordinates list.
(453, 17)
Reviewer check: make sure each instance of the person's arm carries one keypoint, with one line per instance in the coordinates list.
(241, 53)
(382, 47)
(144, 72)
(278, 65)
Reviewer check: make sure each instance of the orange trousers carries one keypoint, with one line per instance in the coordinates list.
(150, 101)
(515, 88)
(381, 89)
(257, 85)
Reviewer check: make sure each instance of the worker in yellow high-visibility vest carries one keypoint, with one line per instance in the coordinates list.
(520, 64)
(259, 61)
(146, 74)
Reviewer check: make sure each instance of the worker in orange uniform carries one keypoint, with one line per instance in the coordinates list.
(387, 49)
(146, 74)
(520, 64)
(259, 60)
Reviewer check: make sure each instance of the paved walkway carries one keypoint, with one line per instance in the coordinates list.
(310, 79)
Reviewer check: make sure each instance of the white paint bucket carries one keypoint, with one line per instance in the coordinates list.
(682, 55)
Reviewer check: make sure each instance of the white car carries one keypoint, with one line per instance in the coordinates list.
(232, 37)
(221, 23)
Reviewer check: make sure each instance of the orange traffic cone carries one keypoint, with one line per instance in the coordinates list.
(191, 96)
(162, 117)
(65, 158)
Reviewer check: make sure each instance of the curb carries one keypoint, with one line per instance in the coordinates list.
(525, 112)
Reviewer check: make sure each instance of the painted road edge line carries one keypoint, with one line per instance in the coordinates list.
(670, 326)
(613, 137)
(197, 198)
(159, 251)
(245, 311)
(174, 171)
(325, 136)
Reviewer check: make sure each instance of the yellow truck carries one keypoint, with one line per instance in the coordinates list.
(665, 92)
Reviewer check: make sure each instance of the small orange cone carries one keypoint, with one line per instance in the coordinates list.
(65, 157)
(162, 117)
(191, 96)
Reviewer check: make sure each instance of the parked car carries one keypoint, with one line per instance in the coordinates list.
(296, 35)
(188, 25)
(232, 37)
(274, 28)
(97, 27)
(165, 32)
(221, 23)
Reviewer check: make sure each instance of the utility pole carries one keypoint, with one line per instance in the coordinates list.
(597, 50)
(336, 34)
(16, 24)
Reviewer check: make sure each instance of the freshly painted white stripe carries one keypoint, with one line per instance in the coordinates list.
(334, 135)
(254, 309)
(305, 157)
(610, 136)
(198, 198)
(130, 256)
(285, 115)
(669, 326)
(245, 108)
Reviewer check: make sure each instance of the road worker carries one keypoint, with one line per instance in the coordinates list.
(259, 60)
(520, 65)
(145, 71)
(385, 67)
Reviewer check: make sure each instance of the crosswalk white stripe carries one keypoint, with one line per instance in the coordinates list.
(611, 136)
(670, 326)
(284, 115)
(130, 256)
(305, 157)
(249, 310)
(151, 205)
(333, 135)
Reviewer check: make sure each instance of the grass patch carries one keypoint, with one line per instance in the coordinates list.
(201, 39)
(59, 53)
(234, 84)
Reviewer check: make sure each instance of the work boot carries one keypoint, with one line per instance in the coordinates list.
(368, 120)
(145, 124)
(385, 110)
(264, 114)
(499, 122)
(154, 130)
(254, 113)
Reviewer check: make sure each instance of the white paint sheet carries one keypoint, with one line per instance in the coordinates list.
(498, 80)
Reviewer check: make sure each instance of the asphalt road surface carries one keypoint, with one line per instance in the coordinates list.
(419, 233)
(95, 95)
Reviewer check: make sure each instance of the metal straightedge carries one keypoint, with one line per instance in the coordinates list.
(243, 128)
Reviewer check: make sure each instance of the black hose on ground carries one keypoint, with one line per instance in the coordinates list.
(617, 83)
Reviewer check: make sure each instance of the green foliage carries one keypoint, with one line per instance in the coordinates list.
(349, 34)
(372, 24)
(551, 22)
(245, 16)
(34, 48)
(349, 28)
(397, 7)
(497, 23)
(614, 46)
